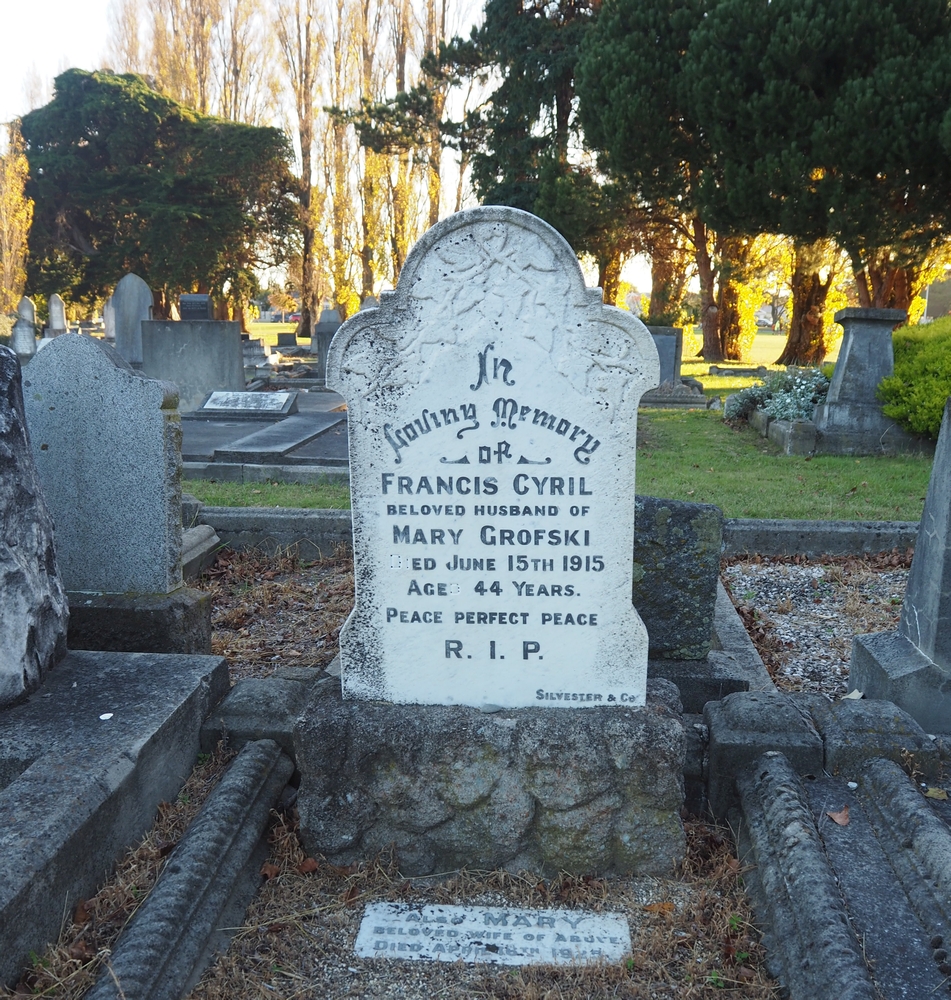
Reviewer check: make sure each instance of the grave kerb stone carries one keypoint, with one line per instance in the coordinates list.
(492, 415)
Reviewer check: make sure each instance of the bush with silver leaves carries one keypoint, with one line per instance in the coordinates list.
(789, 395)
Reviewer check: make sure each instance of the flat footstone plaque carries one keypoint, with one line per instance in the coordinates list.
(492, 404)
(227, 403)
(497, 935)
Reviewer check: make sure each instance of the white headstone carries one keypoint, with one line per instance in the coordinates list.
(109, 320)
(57, 324)
(23, 335)
(107, 445)
(492, 404)
(492, 934)
(132, 303)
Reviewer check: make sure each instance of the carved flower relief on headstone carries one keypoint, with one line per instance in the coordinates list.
(492, 404)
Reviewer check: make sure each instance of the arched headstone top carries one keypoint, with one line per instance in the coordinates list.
(492, 404)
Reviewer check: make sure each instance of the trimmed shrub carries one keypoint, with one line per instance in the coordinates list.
(789, 395)
(915, 395)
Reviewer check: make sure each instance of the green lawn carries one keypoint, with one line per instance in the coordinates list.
(693, 455)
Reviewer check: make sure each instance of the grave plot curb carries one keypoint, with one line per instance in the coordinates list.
(316, 531)
(811, 947)
(168, 942)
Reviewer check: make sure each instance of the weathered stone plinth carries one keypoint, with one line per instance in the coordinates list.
(851, 421)
(179, 622)
(597, 791)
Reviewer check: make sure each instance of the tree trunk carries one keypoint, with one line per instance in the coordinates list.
(881, 286)
(728, 312)
(806, 341)
(668, 283)
(706, 272)
(609, 278)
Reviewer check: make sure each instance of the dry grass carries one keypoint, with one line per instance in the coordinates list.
(68, 968)
(693, 935)
(272, 611)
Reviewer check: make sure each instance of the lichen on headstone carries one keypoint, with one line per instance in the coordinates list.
(33, 611)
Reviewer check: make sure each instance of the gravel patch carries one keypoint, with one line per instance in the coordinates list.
(802, 615)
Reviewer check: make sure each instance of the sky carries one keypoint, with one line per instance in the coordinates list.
(54, 35)
(44, 37)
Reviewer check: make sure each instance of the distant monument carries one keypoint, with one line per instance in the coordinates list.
(131, 304)
(23, 335)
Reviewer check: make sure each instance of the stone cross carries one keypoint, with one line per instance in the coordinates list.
(107, 446)
(131, 303)
(57, 316)
(33, 611)
(23, 335)
(492, 402)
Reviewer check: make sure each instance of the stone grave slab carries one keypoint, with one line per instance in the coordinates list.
(253, 404)
(492, 934)
(274, 442)
(195, 307)
(23, 334)
(492, 405)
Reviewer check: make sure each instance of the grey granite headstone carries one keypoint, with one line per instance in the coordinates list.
(323, 334)
(851, 421)
(195, 307)
(199, 356)
(33, 609)
(57, 324)
(492, 404)
(23, 335)
(912, 666)
(669, 341)
(131, 304)
(107, 446)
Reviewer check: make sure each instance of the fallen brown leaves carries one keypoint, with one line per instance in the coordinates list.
(273, 610)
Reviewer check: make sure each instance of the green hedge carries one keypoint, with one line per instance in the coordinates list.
(915, 395)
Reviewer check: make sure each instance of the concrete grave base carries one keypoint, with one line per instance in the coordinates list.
(179, 622)
(594, 790)
(84, 764)
(857, 429)
(889, 666)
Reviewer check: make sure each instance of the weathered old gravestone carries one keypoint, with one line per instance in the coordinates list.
(113, 487)
(33, 611)
(912, 665)
(57, 324)
(321, 336)
(492, 405)
(109, 321)
(131, 304)
(851, 421)
(199, 356)
(23, 335)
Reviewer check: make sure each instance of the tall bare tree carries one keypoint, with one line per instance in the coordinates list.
(16, 214)
(301, 44)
